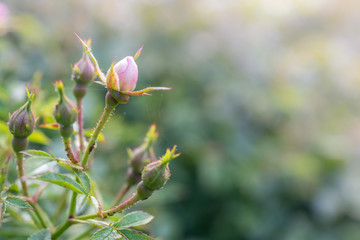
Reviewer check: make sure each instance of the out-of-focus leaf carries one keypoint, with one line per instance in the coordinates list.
(2, 211)
(18, 202)
(39, 137)
(63, 181)
(52, 126)
(106, 233)
(3, 173)
(84, 181)
(134, 219)
(37, 153)
(89, 132)
(81, 201)
(93, 222)
(68, 164)
(3, 208)
(4, 95)
(43, 234)
(4, 127)
(14, 188)
(134, 235)
(95, 203)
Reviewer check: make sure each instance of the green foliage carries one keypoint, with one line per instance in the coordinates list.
(64, 181)
(107, 233)
(134, 235)
(84, 181)
(41, 235)
(133, 219)
(17, 202)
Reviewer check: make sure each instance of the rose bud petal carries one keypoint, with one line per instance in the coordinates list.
(127, 74)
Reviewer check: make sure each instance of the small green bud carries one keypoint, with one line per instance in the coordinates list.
(65, 112)
(156, 174)
(143, 191)
(22, 121)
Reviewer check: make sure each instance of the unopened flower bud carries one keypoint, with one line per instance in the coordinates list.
(22, 121)
(156, 174)
(138, 158)
(143, 191)
(133, 177)
(123, 76)
(65, 112)
(84, 70)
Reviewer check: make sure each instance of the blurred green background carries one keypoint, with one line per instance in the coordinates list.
(263, 107)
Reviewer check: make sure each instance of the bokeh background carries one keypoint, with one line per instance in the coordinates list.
(264, 107)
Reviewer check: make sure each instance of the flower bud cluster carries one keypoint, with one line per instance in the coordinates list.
(156, 174)
(22, 124)
(65, 112)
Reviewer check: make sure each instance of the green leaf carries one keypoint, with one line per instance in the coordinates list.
(134, 235)
(134, 219)
(18, 202)
(14, 188)
(68, 164)
(37, 153)
(106, 233)
(4, 128)
(43, 234)
(63, 181)
(39, 137)
(84, 181)
(3, 208)
(4, 173)
(92, 222)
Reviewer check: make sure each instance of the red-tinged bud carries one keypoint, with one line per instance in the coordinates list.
(157, 173)
(65, 112)
(143, 191)
(84, 70)
(22, 121)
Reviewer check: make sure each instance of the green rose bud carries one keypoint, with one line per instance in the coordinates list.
(84, 70)
(65, 112)
(22, 121)
(157, 173)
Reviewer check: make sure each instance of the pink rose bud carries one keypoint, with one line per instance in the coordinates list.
(123, 76)
(83, 71)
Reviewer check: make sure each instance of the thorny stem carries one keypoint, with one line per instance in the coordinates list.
(100, 125)
(20, 165)
(68, 150)
(81, 126)
(131, 201)
(124, 189)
